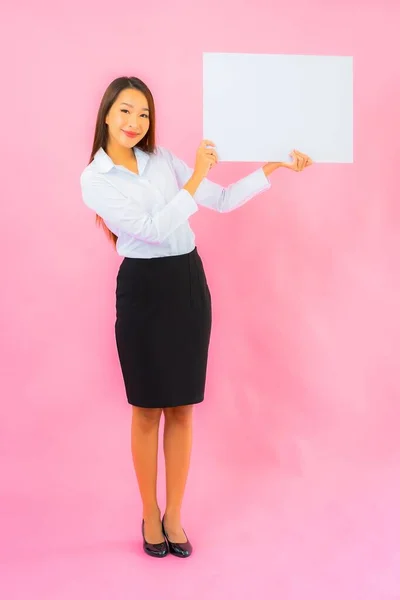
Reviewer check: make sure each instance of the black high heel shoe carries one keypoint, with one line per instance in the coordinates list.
(155, 550)
(183, 550)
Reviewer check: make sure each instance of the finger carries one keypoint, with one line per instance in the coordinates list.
(211, 152)
(205, 143)
(301, 154)
(295, 162)
(295, 158)
(307, 159)
(212, 161)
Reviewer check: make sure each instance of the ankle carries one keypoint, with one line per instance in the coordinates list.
(151, 513)
(172, 514)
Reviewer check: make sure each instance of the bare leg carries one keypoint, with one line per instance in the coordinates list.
(177, 451)
(144, 440)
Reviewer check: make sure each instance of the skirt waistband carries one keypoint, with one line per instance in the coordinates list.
(158, 259)
(157, 264)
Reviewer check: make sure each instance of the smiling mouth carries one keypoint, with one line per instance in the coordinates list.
(131, 135)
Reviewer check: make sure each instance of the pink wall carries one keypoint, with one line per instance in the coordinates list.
(294, 490)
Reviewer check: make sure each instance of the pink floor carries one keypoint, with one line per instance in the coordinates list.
(283, 529)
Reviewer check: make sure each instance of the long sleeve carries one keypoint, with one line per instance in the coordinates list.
(215, 196)
(130, 213)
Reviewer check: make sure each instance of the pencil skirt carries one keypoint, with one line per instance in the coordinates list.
(162, 329)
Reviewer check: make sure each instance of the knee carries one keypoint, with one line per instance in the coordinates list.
(181, 415)
(146, 418)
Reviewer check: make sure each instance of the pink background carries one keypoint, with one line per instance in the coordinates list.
(294, 489)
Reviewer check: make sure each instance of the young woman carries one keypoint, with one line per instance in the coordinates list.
(143, 196)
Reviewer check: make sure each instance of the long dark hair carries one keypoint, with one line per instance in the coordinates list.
(147, 144)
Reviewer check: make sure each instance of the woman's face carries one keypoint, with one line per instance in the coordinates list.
(128, 119)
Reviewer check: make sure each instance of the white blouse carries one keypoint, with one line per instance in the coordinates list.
(150, 212)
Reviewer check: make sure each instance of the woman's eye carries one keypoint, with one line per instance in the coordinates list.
(125, 110)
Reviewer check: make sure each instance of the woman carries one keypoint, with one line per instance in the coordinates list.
(143, 196)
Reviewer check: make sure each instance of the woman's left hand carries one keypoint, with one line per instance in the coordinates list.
(299, 163)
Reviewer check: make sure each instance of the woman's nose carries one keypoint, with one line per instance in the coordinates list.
(133, 121)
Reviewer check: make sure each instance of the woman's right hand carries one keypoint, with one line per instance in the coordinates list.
(206, 158)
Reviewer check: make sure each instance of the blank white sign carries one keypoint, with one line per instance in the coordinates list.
(259, 107)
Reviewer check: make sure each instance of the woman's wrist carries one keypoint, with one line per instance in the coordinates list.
(270, 167)
(193, 183)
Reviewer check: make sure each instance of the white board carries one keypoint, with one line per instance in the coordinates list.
(259, 107)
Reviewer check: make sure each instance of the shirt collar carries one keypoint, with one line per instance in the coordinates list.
(104, 163)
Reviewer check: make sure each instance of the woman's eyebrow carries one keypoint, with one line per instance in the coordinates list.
(131, 105)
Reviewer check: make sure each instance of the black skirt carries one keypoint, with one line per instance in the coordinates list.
(162, 329)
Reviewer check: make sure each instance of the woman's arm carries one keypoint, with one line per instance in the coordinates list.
(215, 196)
(128, 212)
(269, 168)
